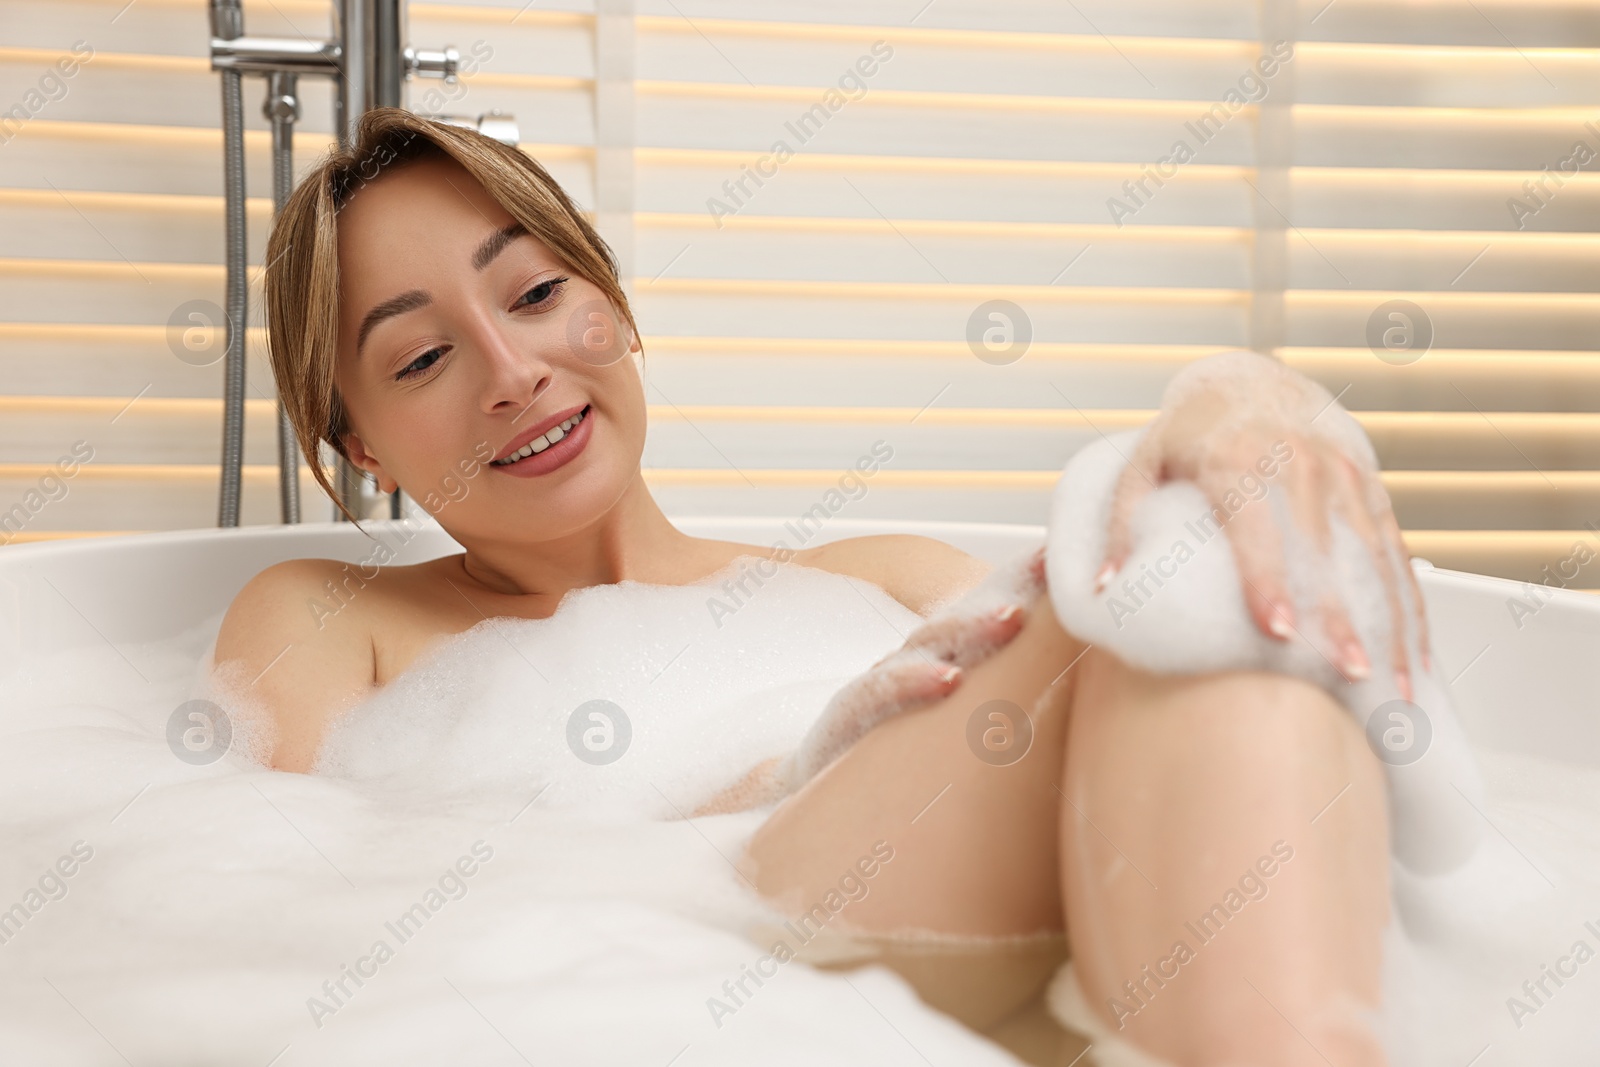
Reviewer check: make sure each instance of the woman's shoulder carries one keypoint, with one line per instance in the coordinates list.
(285, 583)
(315, 589)
(355, 611)
(301, 648)
(923, 573)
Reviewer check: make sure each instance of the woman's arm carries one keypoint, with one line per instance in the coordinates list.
(961, 634)
(1219, 417)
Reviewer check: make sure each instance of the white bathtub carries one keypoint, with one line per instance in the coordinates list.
(1526, 688)
(151, 940)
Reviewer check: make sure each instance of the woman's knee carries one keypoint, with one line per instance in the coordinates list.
(1223, 743)
(1278, 713)
(1277, 726)
(1245, 711)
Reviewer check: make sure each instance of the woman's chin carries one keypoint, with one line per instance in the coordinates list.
(544, 508)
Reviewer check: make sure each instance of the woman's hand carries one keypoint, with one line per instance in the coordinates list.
(928, 667)
(1225, 423)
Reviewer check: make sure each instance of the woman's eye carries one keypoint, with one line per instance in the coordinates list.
(421, 364)
(541, 293)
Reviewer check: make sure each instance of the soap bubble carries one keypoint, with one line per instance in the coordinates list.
(598, 732)
(1399, 732)
(999, 733)
(199, 732)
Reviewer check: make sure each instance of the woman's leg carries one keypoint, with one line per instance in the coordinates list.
(1225, 857)
(974, 843)
(1203, 766)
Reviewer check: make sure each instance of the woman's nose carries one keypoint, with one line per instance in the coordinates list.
(516, 371)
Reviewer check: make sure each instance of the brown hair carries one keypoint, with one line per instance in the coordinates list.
(301, 285)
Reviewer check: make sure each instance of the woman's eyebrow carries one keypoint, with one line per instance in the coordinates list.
(495, 243)
(412, 299)
(409, 300)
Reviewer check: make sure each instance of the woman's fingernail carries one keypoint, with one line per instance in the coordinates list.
(1103, 576)
(950, 675)
(1281, 621)
(1356, 666)
(1007, 613)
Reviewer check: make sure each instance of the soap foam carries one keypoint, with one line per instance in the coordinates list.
(1473, 912)
(694, 680)
(1177, 607)
(219, 899)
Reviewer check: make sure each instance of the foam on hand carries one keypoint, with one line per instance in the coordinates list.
(960, 632)
(1177, 607)
(1475, 915)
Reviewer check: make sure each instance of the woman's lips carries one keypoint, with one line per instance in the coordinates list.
(557, 455)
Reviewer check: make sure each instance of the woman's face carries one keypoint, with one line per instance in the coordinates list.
(458, 334)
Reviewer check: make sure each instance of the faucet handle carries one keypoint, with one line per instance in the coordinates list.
(444, 64)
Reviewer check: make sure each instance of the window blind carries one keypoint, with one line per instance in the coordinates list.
(971, 236)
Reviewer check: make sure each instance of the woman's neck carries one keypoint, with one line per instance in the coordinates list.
(633, 540)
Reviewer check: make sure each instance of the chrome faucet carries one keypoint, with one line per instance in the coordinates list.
(369, 60)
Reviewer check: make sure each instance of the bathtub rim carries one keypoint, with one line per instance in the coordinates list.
(730, 527)
(1529, 682)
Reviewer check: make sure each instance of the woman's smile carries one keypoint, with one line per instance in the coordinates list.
(555, 447)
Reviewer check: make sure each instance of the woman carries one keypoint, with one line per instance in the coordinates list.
(437, 304)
